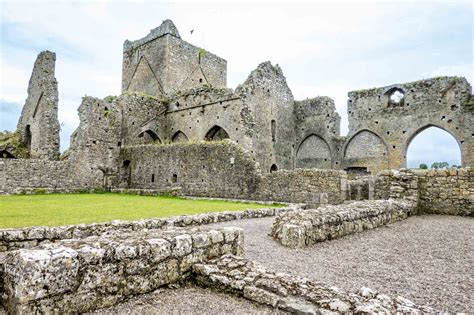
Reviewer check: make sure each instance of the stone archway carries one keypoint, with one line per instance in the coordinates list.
(367, 151)
(313, 152)
(216, 133)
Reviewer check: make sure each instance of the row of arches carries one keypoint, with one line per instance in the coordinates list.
(149, 136)
(367, 150)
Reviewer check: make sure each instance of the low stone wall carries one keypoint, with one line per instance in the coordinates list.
(312, 186)
(11, 239)
(306, 227)
(442, 191)
(76, 276)
(295, 295)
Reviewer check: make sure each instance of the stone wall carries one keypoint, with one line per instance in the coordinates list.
(306, 227)
(224, 169)
(395, 114)
(38, 124)
(11, 239)
(292, 294)
(443, 191)
(82, 275)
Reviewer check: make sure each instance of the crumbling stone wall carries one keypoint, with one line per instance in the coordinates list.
(162, 63)
(395, 114)
(292, 294)
(306, 227)
(224, 169)
(82, 275)
(442, 191)
(38, 124)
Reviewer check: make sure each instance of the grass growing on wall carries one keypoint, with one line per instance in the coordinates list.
(66, 209)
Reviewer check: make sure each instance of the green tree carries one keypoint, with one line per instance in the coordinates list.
(423, 166)
(440, 165)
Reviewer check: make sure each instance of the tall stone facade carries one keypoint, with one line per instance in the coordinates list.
(38, 124)
(157, 134)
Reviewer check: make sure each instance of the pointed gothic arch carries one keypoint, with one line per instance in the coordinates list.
(179, 136)
(216, 133)
(313, 152)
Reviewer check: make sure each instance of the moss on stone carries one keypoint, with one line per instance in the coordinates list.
(10, 141)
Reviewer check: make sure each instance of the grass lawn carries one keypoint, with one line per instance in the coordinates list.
(66, 209)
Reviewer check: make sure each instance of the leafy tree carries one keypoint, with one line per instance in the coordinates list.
(423, 166)
(440, 165)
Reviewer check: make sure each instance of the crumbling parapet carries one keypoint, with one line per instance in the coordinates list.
(38, 124)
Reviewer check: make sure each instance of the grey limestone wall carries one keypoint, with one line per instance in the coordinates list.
(38, 124)
(271, 103)
(295, 295)
(443, 191)
(224, 169)
(306, 227)
(81, 275)
(395, 114)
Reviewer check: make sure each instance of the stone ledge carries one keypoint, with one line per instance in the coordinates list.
(293, 294)
(306, 227)
(83, 275)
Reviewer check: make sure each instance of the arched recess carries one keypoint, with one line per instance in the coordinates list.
(179, 136)
(439, 146)
(149, 136)
(313, 152)
(216, 133)
(126, 174)
(273, 168)
(365, 152)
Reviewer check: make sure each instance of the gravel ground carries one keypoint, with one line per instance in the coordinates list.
(427, 259)
(187, 300)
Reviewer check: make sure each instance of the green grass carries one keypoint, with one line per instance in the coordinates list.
(65, 209)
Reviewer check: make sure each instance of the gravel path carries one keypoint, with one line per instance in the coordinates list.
(187, 300)
(428, 259)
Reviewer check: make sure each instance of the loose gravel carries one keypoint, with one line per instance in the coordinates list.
(428, 259)
(187, 300)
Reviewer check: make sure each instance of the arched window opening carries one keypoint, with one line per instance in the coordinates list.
(433, 147)
(148, 137)
(273, 168)
(273, 127)
(179, 136)
(216, 133)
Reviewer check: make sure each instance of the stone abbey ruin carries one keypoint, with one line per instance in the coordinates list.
(176, 128)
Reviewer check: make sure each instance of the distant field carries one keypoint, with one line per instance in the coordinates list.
(65, 209)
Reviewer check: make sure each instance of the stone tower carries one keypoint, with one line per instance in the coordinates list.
(162, 63)
(38, 124)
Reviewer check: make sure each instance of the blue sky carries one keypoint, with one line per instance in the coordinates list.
(324, 48)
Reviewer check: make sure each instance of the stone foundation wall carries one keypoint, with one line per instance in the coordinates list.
(88, 274)
(11, 239)
(306, 227)
(295, 295)
(443, 191)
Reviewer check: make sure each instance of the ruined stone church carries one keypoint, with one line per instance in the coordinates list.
(178, 127)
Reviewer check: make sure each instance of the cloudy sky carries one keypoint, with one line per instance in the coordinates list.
(324, 48)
